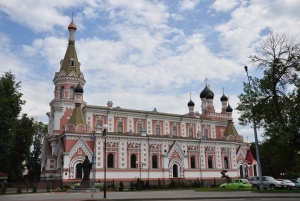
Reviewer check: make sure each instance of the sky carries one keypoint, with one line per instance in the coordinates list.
(141, 54)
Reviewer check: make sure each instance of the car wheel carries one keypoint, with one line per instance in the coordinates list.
(223, 187)
(272, 186)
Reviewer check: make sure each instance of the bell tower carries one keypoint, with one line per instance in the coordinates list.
(65, 81)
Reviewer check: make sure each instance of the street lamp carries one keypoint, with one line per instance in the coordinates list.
(105, 126)
(255, 136)
(97, 127)
(140, 165)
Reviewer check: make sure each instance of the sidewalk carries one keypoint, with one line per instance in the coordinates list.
(142, 195)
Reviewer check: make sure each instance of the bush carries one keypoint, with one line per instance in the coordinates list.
(3, 189)
(19, 189)
(75, 185)
(121, 187)
(34, 188)
(131, 186)
(98, 185)
(48, 187)
(147, 185)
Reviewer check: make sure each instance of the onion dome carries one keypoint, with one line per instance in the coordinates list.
(72, 26)
(205, 91)
(209, 95)
(191, 103)
(78, 89)
(229, 109)
(224, 98)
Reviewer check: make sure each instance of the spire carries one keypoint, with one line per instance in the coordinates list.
(70, 62)
(230, 129)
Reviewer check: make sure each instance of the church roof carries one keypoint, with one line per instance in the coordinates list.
(230, 129)
(249, 157)
(77, 116)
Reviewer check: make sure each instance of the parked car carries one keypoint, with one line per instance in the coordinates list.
(288, 183)
(297, 183)
(237, 183)
(268, 182)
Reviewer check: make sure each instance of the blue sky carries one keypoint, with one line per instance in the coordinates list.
(140, 54)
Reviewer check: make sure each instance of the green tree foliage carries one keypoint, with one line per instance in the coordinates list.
(10, 108)
(22, 141)
(276, 101)
(33, 163)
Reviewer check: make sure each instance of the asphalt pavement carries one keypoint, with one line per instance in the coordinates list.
(143, 195)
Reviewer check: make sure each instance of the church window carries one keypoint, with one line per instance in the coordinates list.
(190, 132)
(62, 92)
(110, 160)
(139, 129)
(174, 131)
(193, 162)
(120, 127)
(154, 161)
(210, 162)
(226, 163)
(206, 133)
(157, 130)
(72, 93)
(133, 161)
(72, 62)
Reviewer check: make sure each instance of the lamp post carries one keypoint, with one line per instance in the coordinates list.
(255, 136)
(105, 126)
(140, 165)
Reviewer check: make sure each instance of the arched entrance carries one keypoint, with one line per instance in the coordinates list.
(175, 170)
(79, 171)
(241, 172)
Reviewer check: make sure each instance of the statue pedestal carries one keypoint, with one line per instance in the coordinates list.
(85, 184)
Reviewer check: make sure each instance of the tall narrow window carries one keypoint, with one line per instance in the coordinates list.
(157, 130)
(174, 131)
(206, 133)
(154, 161)
(72, 93)
(210, 162)
(62, 92)
(72, 62)
(139, 129)
(120, 127)
(110, 160)
(226, 163)
(254, 169)
(241, 172)
(193, 162)
(190, 132)
(133, 161)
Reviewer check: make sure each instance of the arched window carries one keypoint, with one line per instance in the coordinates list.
(174, 131)
(72, 62)
(190, 132)
(226, 163)
(72, 93)
(79, 171)
(154, 161)
(210, 162)
(62, 92)
(133, 161)
(110, 160)
(193, 162)
(206, 133)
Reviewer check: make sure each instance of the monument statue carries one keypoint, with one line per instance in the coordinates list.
(87, 166)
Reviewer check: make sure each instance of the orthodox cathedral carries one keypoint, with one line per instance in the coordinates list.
(125, 144)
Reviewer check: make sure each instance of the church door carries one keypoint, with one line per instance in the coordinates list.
(175, 170)
(79, 171)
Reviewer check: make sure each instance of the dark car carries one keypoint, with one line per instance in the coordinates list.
(268, 182)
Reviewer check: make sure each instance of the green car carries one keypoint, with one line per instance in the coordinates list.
(237, 183)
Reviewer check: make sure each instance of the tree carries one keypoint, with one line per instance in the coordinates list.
(33, 163)
(22, 142)
(10, 108)
(275, 98)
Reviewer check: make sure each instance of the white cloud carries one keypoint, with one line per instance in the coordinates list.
(186, 5)
(224, 5)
